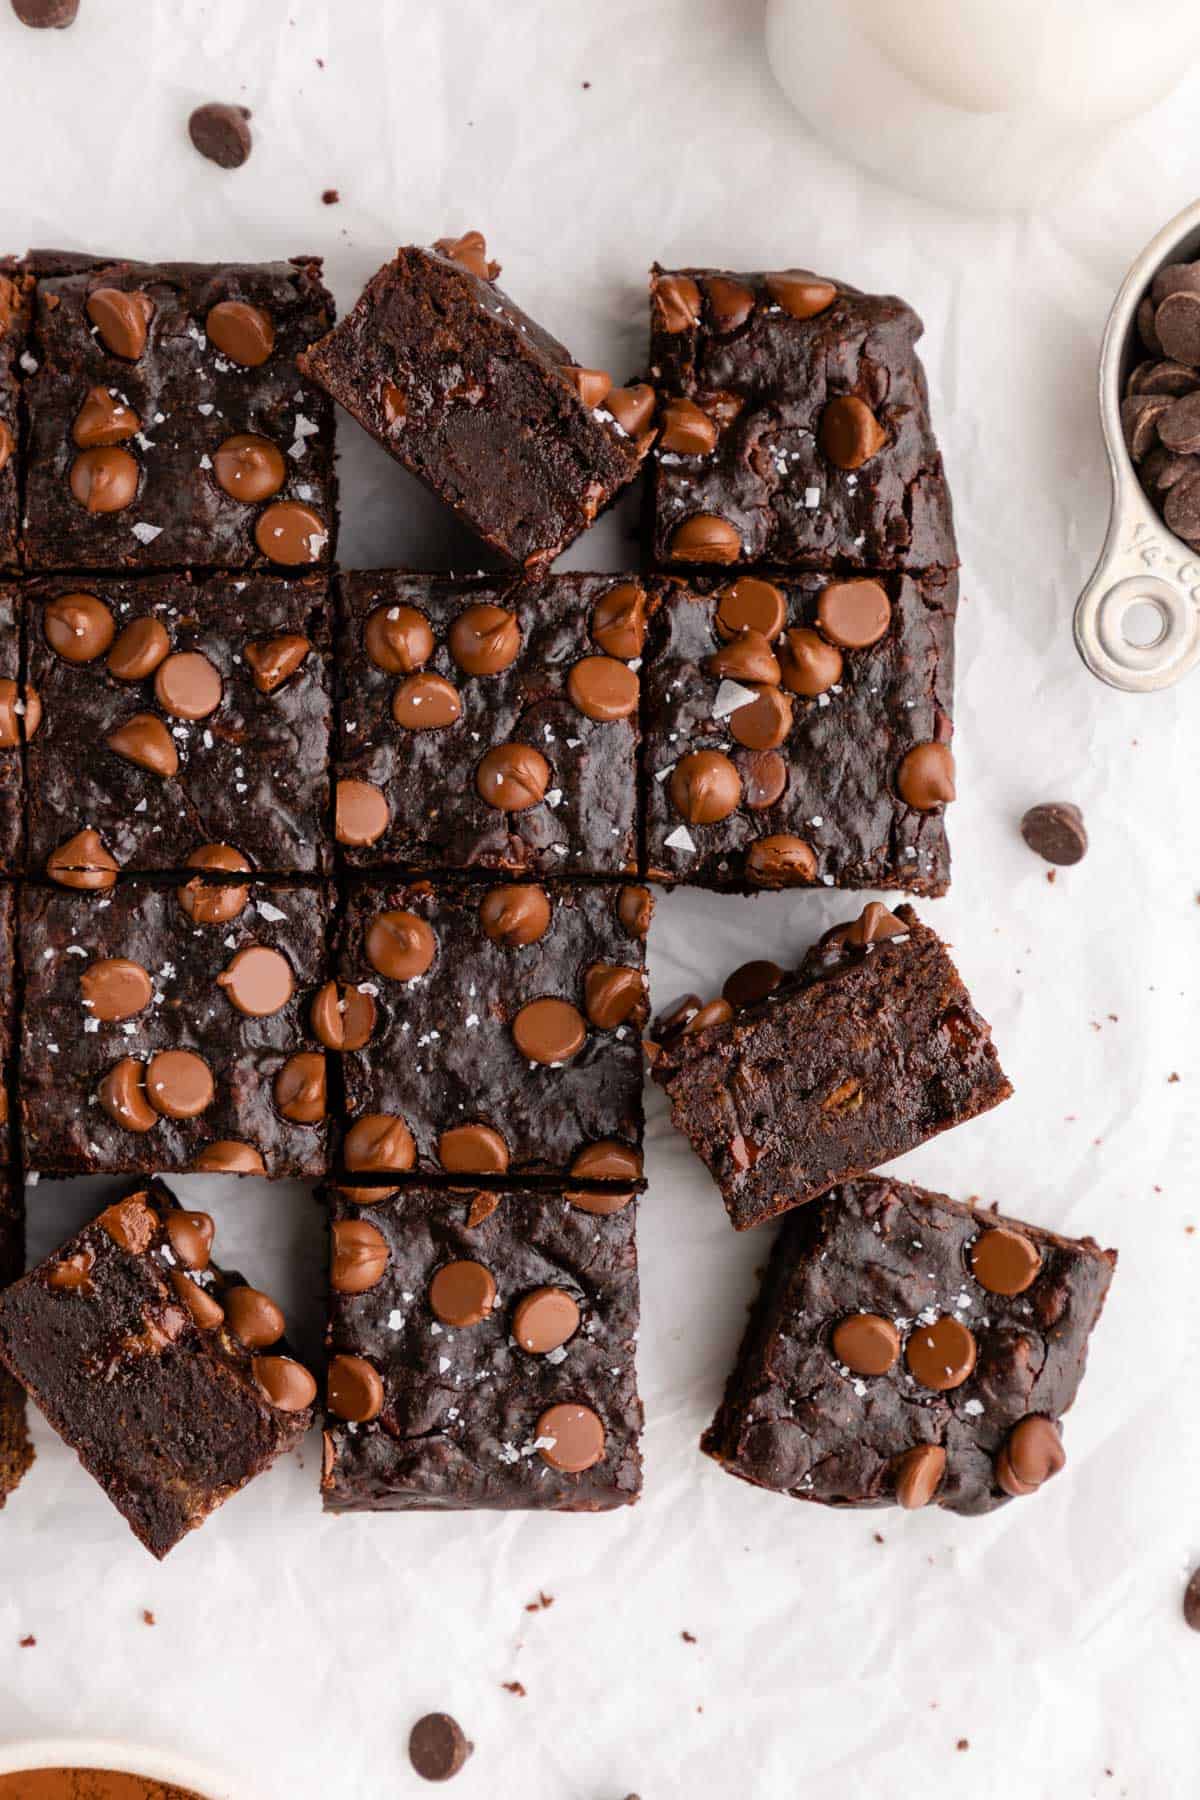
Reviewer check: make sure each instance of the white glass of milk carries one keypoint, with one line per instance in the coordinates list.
(987, 104)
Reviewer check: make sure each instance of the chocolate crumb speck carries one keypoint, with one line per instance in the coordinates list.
(687, 1637)
(330, 197)
(879, 1538)
(514, 1687)
(148, 1617)
(27, 1643)
(1172, 1077)
(541, 1603)
(963, 1744)
(1051, 876)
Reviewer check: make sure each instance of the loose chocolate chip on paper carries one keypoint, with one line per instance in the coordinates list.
(221, 133)
(139, 648)
(437, 1747)
(849, 433)
(42, 15)
(253, 1317)
(330, 197)
(750, 604)
(1191, 1602)
(752, 982)
(1055, 831)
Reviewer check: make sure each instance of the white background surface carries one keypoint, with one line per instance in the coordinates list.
(297, 1650)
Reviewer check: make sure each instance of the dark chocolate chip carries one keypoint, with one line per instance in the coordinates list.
(221, 133)
(1055, 831)
(438, 1747)
(1191, 1602)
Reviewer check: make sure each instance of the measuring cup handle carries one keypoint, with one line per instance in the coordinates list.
(1144, 567)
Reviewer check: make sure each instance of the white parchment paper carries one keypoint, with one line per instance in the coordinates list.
(1037, 1652)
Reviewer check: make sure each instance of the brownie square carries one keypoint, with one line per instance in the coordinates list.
(482, 1352)
(168, 423)
(798, 729)
(16, 294)
(16, 1452)
(794, 426)
(908, 1350)
(15, 724)
(167, 1375)
(169, 1029)
(492, 1029)
(787, 1085)
(490, 724)
(179, 714)
(8, 1019)
(482, 404)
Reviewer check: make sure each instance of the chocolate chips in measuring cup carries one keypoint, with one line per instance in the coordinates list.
(1160, 411)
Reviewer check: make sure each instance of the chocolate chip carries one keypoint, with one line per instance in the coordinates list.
(686, 430)
(14, 708)
(1177, 323)
(55, 15)
(249, 468)
(608, 1160)
(400, 945)
(549, 1031)
(130, 1223)
(361, 813)
(1175, 278)
(78, 627)
(676, 301)
(1177, 422)
(258, 981)
(206, 903)
(918, 1475)
(224, 1156)
(485, 639)
(104, 481)
(632, 407)
(482, 1207)
(570, 1438)
(867, 1343)
(1031, 1454)
(187, 686)
(873, 925)
(145, 741)
(749, 604)
(122, 1094)
(103, 419)
(854, 614)
(603, 688)
(515, 916)
(360, 1256)
(190, 1235)
(613, 994)
(470, 252)
(544, 1320)
(82, 862)
(398, 639)
(705, 787)
(115, 988)
(1145, 326)
(800, 294)
(1191, 1602)
(714, 1012)
(221, 133)
(512, 777)
(849, 433)
(1055, 831)
(619, 621)
(426, 702)
(437, 1747)
(290, 534)
(942, 1355)
(472, 1150)
(275, 660)
(673, 1019)
(592, 385)
(122, 319)
(730, 303)
(750, 983)
(598, 1203)
(1004, 1261)
(243, 333)
(379, 1143)
(286, 1383)
(342, 1016)
(635, 909)
(925, 779)
(179, 1084)
(207, 1312)
(299, 1088)
(764, 722)
(1158, 377)
(765, 776)
(139, 648)
(253, 1317)
(462, 1293)
(705, 538)
(780, 860)
(1181, 509)
(747, 657)
(810, 665)
(1140, 414)
(70, 1273)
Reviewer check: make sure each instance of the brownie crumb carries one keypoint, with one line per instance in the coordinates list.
(541, 1603)
(27, 1643)
(330, 197)
(148, 1617)
(878, 1537)
(1172, 1078)
(1191, 1602)
(514, 1687)
(687, 1637)
(963, 1744)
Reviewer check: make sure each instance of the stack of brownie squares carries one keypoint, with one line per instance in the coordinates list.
(340, 876)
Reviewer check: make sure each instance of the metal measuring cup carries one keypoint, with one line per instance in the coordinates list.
(1142, 564)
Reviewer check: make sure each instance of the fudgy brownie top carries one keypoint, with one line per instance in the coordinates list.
(907, 1349)
(490, 724)
(178, 714)
(797, 731)
(168, 422)
(171, 1028)
(169, 1376)
(482, 1352)
(489, 1029)
(481, 403)
(794, 426)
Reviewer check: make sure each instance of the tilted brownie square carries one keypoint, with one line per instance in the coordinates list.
(795, 426)
(17, 723)
(490, 724)
(168, 423)
(168, 1376)
(787, 1085)
(16, 1452)
(482, 1352)
(907, 1350)
(485, 407)
(798, 731)
(492, 1029)
(176, 716)
(171, 1029)
(16, 298)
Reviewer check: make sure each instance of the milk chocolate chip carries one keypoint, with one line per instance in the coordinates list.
(122, 1094)
(342, 1016)
(752, 982)
(544, 1319)
(400, 945)
(470, 252)
(225, 1156)
(253, 1317)
(472, 1150)
(730, 303)
(360, 1256)
(867, 1343)
(206, 903)
(286, 1383)
(249, 468)
(942, 1355)
(854, 614)
(113, 988)
(43, 15)
(631, 407)
(484, 639)
(780, 860)
(549, 1031)
(749, 604)
(258, 981)
(705, 538)
(190, 1235)
(82, 862)
(426, 702)
(608, 1160)
(635, 909)
(746, 658)
(78, 627)
(462, 1293)
(515, 916)
(274, 660)
(243, 333)
(362, 814)
(603, 688)
(619, 621)
(592, 385)
(1032, 1453)
(1005, 1261)
(145, 741)
(121, 319)
(438, 1747)
(398, 639)
(512, 777)
(705, 787)
(13, 708)
(800, 294)
(764, 722)
(299, 1088)
(686, 430)
(105, 480)
(207, 1312)
(570, 1438)
(1054, 830)
(103, 420)
(187, 686)
(140, 647)
(179, 1084)
(290, 534)
(926, 777)
(379, 1142)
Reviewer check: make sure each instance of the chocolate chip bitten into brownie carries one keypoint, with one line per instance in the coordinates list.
(908, 1350)
(169, 1376)
(481, 403)
(794, 426)
(482, 1351)
(788, 1084)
